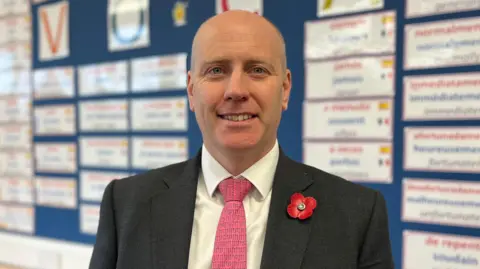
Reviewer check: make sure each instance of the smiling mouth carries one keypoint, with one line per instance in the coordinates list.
(239, 117)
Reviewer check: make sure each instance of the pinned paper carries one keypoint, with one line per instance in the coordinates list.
(53, 21)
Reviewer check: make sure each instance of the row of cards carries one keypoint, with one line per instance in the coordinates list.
(436, 44)
(152, 73)
(111, 115)
(21, 218)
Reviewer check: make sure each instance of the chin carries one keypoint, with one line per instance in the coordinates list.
(239, 142)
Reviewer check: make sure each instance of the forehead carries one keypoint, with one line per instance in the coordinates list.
(238, 44)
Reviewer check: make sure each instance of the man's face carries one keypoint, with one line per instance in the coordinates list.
(238, 87)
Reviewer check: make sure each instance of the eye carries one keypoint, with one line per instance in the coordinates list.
(258, 70)
(215, 70)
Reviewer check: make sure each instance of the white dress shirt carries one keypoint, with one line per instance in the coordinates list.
(209, 205)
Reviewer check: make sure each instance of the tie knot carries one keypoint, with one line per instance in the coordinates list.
(234, 189)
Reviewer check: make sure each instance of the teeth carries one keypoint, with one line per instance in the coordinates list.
(238, 117)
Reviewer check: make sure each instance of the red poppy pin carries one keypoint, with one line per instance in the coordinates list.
(301, 207)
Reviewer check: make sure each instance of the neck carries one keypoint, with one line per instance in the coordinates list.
(236, 161)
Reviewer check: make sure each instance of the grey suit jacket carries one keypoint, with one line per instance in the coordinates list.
(146, 221)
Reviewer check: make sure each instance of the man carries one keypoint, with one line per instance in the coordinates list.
(227, 206)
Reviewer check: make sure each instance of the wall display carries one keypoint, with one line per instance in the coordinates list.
(153, 73)
(351, 77)
(9, 7)
(367, 119)
(150, 152)
(16, 163)
(55, 120)
(419, 8)
(15, 55)
(128, 24)
(54, 33)
(16, 190)
(104, 152)
(444, 43)
(358, 162)
(104, 78)
(16, 137)
(442, 97)
(56, 157)
(93, 183)
(57, 82)
(14, 29)
(352, 35)
(248, 5)
(53, 192)
(443, 202)
(15, 109)
(89, 217)
(17, 81)
(162, 114)
(340, 7)
(449, 149)
(103, 115)
(17, 218)
(435, 250)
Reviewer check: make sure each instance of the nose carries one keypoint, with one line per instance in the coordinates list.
(236, 88)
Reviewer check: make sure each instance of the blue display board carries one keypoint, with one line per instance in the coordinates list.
(88, 43)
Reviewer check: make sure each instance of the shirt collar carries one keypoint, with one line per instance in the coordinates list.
(260, 174)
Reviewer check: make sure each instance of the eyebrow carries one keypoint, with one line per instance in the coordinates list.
(248, 62)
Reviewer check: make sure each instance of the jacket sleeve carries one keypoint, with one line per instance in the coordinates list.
(104, 254)
(376, 250)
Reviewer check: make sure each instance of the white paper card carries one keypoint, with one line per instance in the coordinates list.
(14, 29)
(449, 149)
(104, 152)
(360, 162)
(56, 157)
(14, 7)
(55, 120)
(367, 119)
(54, 82)
(105, 78)
(442, 97)
(53, 192)
(443, 251)
(352, 77)
(160, 114)
(16, 81)
(419, 8)
(15, 109)
(445, 43)
(353, 35)
(17, 218)
(154, 73)
(109, 115)
(89, 218)
(154, 152)
(16, 136)
(443, 202)
(337, 7)
(16, 190)
(16, 163)
(16, 55)
(93, 184)
(128, 23)
(255, 6)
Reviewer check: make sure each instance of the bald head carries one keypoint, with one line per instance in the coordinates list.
(244, 22)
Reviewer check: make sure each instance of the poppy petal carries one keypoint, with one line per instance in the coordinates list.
(292, 210)
(310, 203)
(296, 198)
(305, 214)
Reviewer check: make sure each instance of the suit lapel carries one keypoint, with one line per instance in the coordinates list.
(172, 212)
(286, 238)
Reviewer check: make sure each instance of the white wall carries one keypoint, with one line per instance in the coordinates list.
(38, 253)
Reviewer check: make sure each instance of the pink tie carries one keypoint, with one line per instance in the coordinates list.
(230, 250)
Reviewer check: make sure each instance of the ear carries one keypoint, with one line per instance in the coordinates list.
(286, 87)
(190, 90)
